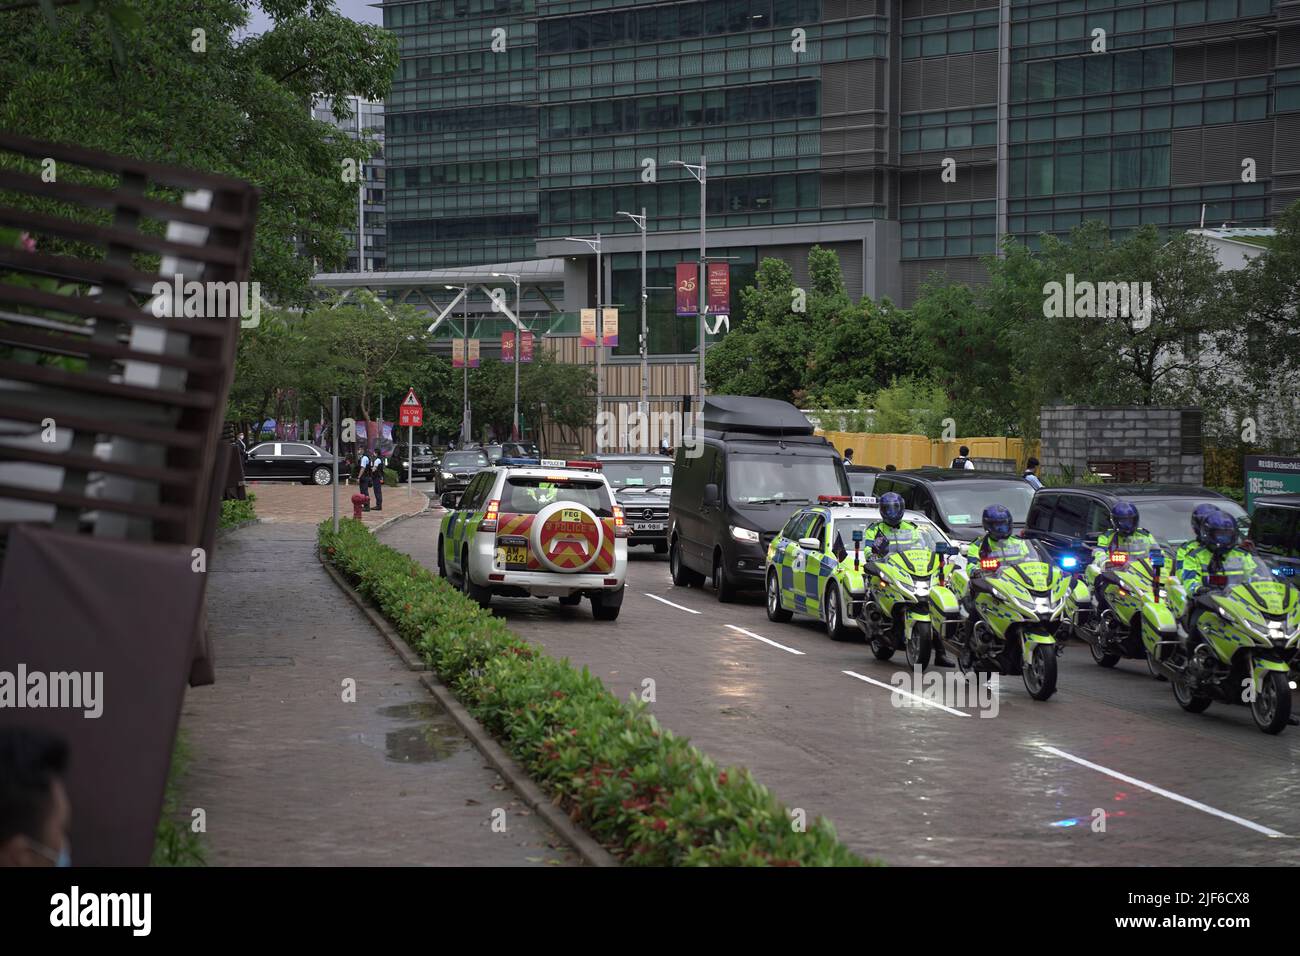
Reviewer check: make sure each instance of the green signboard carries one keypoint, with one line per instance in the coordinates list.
(1270, 475)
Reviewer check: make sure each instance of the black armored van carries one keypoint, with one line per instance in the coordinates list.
(752, 464)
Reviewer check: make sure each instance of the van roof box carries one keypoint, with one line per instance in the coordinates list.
(756, 416)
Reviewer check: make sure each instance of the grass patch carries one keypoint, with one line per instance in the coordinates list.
(643, 792)
(176, 844)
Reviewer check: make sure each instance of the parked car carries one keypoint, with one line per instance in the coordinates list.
(292, 461)
(955, 500)
(642, 484)
(457, 468)
(1067, 520)
(735, 487)
(862, 478)
(423, 463)
(1275, 529)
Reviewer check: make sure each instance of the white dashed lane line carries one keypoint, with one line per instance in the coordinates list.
(904, 693)
(1167, 794)
(759, 637)
(656, 597)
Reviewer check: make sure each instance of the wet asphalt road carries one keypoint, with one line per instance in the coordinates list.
(922, 785)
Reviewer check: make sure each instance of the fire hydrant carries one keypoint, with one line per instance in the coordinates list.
(357, 502)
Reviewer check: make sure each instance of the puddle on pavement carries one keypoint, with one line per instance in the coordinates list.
(432, 735)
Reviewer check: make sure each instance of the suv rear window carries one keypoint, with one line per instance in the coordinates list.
(524, 495)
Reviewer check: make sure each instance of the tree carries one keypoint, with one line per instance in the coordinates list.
(909, 406)
(240, 107)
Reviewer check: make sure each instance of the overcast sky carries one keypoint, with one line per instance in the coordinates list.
(365, 11)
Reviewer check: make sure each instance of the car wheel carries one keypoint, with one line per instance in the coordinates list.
(682, 575)
(482, 596)
(834, 614)
(605, 605)
(322, 476)
(775, 612)
(442, 561)
(721, 583)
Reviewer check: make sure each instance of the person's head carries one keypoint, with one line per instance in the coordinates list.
(848, 454)
(997, 522)
(891, 468)
(1124, 517)
(1032, 464)
(1199, 514)
(891, 508)
(1219, 532)
(964, 451)
(35, 815)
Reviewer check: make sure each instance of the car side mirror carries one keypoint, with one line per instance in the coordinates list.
(810, 544)
(450, 500)
(711, 496)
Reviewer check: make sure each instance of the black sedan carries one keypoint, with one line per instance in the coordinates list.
(291, 461)
(457, 468)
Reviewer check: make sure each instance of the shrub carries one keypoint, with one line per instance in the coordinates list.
(639, 789)
(235, 512)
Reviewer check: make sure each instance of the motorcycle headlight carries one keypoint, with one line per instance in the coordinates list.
(744, 534)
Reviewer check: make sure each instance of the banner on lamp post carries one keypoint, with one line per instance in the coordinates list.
(609, 328)
(687, 285)
(588, 334)
(507, 346)
(525, 347)
(457, 353)
(473, 353)
(719, 289)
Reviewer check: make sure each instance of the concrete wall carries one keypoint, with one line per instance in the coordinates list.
(1073, 435)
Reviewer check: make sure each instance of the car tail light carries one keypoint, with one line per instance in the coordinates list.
(989, 564)
(611, 581)
(489, 522)
(620, 526)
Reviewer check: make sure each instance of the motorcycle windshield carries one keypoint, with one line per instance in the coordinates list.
(1239, 569)
(915, 561)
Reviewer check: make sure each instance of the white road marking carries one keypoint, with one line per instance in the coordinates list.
(898, 690)
(1168, 794)
(759, 637)
(670, 603)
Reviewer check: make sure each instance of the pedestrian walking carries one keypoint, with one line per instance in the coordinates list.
(377, 465)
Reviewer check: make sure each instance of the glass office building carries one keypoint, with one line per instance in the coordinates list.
(367, 120)
(827, 122)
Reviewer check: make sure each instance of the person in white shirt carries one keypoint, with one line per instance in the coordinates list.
(363, 478)
(1031, 466)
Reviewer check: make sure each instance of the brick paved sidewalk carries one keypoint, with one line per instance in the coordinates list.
(290, 774)
(280, 501)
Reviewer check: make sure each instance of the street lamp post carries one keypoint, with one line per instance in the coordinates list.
(594, 245)
(701, 173)
(642, 224)
(519, 343)
(464, 413)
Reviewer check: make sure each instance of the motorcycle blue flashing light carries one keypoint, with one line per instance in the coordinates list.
(1157, 558)
(857, 534)
(1069, 563)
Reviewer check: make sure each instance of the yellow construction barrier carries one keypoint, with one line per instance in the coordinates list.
(917, 451)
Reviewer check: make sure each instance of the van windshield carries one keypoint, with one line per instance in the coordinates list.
(779, 479)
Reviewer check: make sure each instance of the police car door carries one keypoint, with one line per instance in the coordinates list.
(792, 556)
(806, 566)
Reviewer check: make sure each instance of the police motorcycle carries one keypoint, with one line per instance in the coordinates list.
(1236, 638)
(1106, 608)
(902, 571)
(1015, 598)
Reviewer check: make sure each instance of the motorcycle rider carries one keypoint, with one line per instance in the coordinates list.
(1219, 538)
(1192, 549)
(1126, 536)
(892, 529)
(996, 542)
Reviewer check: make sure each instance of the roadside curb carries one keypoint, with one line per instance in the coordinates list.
(591, 852)
(222, 532)
(396, 518)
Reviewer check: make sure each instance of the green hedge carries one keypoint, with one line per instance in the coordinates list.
(637, 788)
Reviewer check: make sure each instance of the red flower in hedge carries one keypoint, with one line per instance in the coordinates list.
(722, 779)
(558, 694)
(660, 824)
